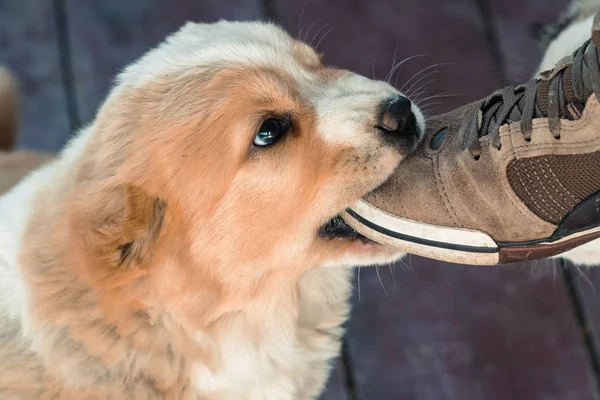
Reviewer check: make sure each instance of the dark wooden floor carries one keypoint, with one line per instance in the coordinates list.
(421, 330)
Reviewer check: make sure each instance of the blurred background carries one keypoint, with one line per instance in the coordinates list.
(420, 330)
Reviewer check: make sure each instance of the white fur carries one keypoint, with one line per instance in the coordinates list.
(566, 43)
(278, 365)
(341, 127)
(196, 46)
(14, 210)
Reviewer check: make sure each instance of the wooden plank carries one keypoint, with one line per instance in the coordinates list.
(586, 285)
(365, 36)
(29, 46)
(462, 332)
(105, 36)
(514, 22)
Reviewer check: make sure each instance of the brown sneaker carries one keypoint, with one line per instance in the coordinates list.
(513, 177)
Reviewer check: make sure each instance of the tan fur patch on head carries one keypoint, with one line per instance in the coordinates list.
(116, 229)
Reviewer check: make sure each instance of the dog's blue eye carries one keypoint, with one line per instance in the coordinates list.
(271, 131)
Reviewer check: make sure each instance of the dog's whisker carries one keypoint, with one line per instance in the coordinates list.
(304, 34)
(391, 268)
(381, 282)
(431, 113)
(403, 265)
(358, 282)
(389, 76)
(584, 277)
(424, 85)
(302, 14)
(442, 96)
(324, 36)
(401, 63)
(395, 52)
(420, 72)
(321, 29)
(530, 267)
(290, 16)
(554, 265)
(428, 102)
(421, 79)
(398, 74)
(428, 107)
(421, 89)
(425, 104)
(417, 97)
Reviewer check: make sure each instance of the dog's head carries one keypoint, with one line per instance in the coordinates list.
(227, 154)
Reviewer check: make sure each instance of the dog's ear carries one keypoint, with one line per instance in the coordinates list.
(143, 220)
(117, 233)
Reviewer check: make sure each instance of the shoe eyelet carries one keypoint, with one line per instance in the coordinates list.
(476, 158)
(557, 137)
(528, 140)
(499, 148)
(438, 139)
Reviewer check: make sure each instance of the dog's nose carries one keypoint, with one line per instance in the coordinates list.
(397, 117)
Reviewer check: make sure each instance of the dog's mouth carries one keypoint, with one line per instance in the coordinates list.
(337, 228)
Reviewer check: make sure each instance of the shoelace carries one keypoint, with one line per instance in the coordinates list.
(518, 103)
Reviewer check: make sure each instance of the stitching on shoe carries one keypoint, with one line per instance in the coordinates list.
(573, 198)
(545, 194)
(518, 204)
(546, 146)
(402, 208)
(444, 195)
(530, 193)
(545, 191)
(561, 202)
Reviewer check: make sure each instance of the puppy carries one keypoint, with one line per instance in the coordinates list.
(186, 244)
(562, 39)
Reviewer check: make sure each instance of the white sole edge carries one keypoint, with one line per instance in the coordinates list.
(424, 231)
(422, 240)
(437, 253)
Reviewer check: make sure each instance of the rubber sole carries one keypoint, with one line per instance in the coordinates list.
(457, 245)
